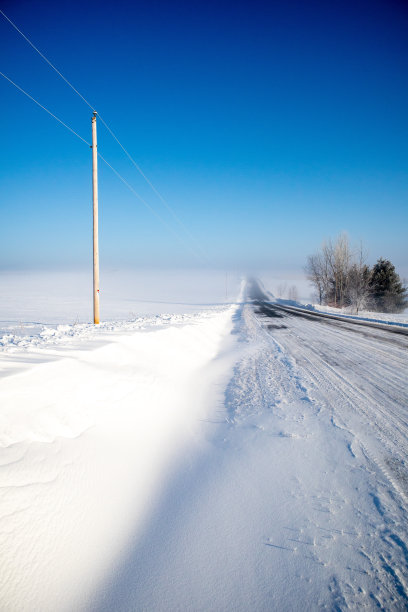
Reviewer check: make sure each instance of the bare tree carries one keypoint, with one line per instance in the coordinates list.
(314, 272)
(328, 271)
(281, 290)
(327, 258)
(340, 264)
(342, 277)
(293, 293)
(359, 282)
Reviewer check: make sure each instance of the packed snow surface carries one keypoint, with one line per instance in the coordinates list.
(232, 457)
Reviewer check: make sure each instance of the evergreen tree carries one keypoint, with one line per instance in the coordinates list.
(386, 288)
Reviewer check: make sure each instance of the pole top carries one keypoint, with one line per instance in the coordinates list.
(95, 113)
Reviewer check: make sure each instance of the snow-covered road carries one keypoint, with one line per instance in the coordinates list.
(242, 458)
(360, 371)
(337, 394)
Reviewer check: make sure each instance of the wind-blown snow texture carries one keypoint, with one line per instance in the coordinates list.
(240, 458)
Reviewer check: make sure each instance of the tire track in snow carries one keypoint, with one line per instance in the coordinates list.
(361, 384)
(368, 390)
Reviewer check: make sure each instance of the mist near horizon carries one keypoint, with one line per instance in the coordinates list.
(65, 297)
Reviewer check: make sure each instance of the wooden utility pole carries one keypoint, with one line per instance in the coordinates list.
(95, 222)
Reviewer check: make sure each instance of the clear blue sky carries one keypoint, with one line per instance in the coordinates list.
(267, 126)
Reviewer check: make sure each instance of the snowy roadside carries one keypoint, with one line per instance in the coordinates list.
(364, 315)
(400, 319)
(48, 336)
(90, 431)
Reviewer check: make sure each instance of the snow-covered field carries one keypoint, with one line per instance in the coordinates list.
(217, 457)
(30, 299)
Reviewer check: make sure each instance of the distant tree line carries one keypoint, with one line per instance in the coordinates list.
(341, 277)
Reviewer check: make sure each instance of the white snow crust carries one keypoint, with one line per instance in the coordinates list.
(212, 459)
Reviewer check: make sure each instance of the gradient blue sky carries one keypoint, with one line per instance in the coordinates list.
(267, 126)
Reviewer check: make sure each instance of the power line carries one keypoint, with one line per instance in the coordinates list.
(124, 181)
(158, 194)
(44, 108)
(162, 199)
(46, 60)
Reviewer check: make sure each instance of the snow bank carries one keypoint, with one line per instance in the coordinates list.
(48, 336)
(89, 435)
(347, 313)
